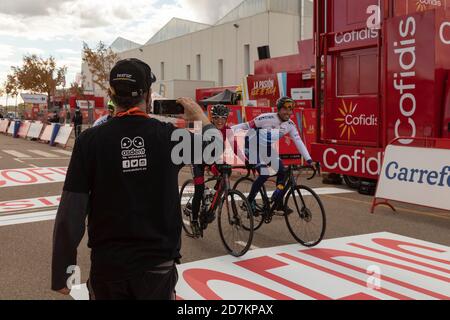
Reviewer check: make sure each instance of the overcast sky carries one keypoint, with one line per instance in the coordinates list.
(58, 27)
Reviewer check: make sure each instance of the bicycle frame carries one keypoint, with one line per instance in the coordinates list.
(290, 184)
(224, 187)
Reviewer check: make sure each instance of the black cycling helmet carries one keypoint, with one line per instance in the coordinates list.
(281, 103)
(220, 111)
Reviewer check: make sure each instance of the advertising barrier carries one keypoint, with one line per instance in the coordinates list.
(35, 130)
(63, 135)
(24, 128)
(4, 123)
(47, 134)
(55, 132)
(410, 178)
(11, 128)
(17, 125)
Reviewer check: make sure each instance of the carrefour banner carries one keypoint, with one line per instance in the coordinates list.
(34, 98)
(416, 175)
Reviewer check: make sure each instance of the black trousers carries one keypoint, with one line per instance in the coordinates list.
(77, 131)
(157, 284)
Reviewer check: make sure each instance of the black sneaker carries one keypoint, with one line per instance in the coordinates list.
(210, 217)
(283, 209)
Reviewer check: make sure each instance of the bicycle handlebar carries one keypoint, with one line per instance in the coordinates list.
(315, 171)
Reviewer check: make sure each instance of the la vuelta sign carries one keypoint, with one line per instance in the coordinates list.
(381, 266)
(263, 87)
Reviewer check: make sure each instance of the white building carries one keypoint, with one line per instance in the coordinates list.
(185, 55)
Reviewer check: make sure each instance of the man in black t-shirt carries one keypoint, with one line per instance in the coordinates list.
(123, 179)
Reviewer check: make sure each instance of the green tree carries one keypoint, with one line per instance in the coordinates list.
(39, 75)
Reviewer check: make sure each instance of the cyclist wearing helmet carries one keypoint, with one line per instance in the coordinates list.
(219, 117)
(106, 118)
(263, 124)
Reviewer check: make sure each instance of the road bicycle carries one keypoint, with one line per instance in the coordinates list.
(232, 208)
(307, 222)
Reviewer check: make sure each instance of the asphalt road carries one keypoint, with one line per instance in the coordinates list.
(25, 248)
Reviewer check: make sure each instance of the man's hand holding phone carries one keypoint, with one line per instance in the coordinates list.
(192, 111)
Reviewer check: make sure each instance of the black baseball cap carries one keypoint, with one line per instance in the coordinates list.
(131, 78)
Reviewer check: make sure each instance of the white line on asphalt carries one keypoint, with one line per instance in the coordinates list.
(67, 153)
(54, 158)
(27, 218)
(44, 154)
(243, 244)
(18, 160)
(50, 215)
(319, 191)
(16, 154)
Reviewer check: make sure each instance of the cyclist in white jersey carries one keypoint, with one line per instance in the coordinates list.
(270, 128)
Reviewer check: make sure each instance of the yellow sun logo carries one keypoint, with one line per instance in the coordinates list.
(345, 127)
(421, 6)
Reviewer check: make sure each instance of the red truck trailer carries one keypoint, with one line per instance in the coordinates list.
(379, 83)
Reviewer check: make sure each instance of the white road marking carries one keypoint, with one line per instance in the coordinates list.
(16, 154)
(243, 244)
(50, 215)
(43, 154)
(27, 218)
(325, 275)
(47, 158)
(319, 191)
(21, 205)
(67, 153)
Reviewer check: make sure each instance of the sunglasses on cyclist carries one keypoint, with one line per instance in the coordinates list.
(289, 105)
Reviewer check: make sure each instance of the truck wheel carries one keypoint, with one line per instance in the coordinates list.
(352, 182)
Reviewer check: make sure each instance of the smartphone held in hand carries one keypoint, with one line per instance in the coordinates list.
(167, 107)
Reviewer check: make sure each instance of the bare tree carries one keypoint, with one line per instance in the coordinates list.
(100, 62)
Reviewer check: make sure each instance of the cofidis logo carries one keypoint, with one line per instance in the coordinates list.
(423, 5)
(350, 121)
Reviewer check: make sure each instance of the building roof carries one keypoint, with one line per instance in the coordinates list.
(121, 45)
(176, 28)
(250, 8)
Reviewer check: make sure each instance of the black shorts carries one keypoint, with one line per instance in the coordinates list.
(157, 284)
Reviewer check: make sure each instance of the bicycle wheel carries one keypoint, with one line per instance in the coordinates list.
(307, 223)
(244, 185)
(186, 197)
(232, 214)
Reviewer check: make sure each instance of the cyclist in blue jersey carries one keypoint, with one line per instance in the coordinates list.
(271, 127)
(106, 118)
